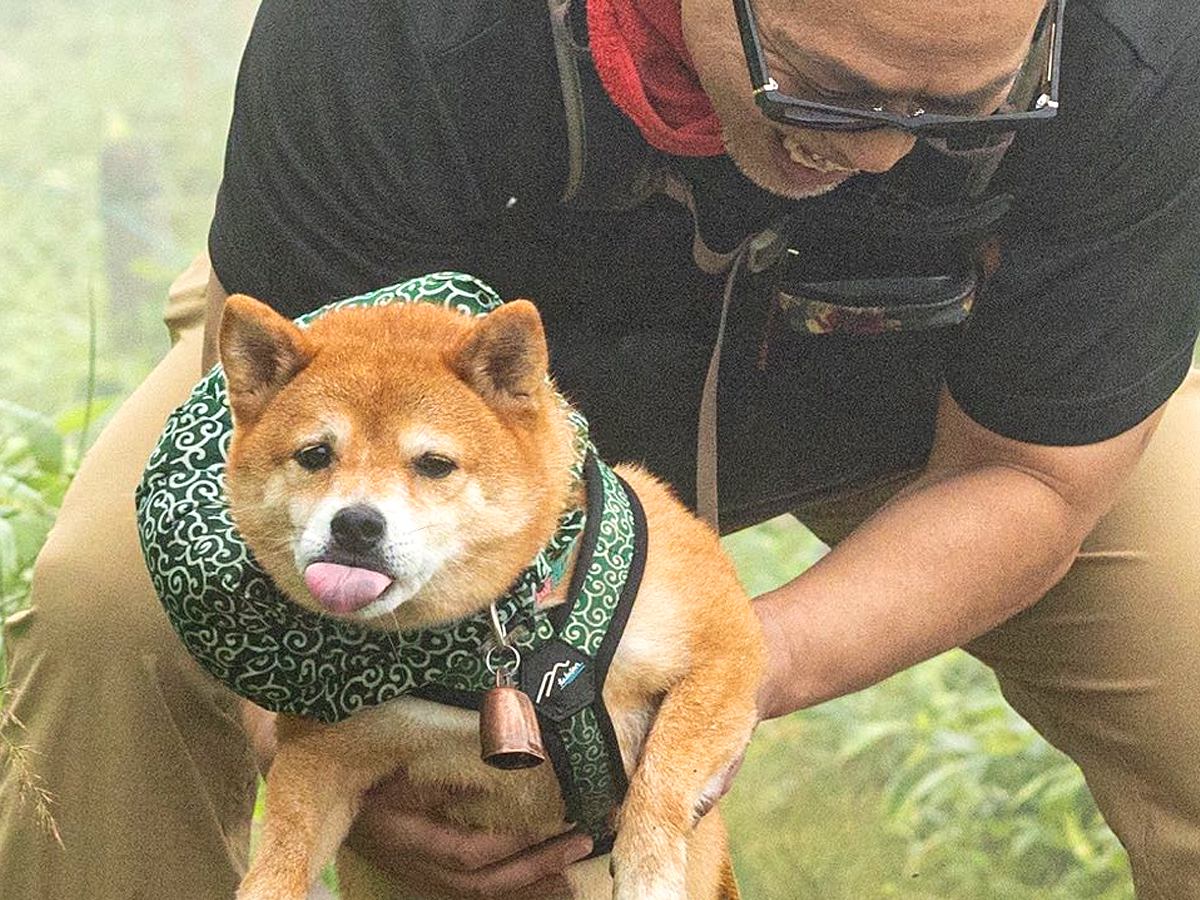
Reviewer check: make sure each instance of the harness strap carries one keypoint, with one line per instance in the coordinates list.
(706, 433)
(564, 676)
(609, 166)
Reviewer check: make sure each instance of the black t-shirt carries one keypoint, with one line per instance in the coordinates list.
(374, 141)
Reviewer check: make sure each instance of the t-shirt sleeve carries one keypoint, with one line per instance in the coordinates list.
(372, 141)
(1089, 323)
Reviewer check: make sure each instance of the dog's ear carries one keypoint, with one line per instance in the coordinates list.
(261, 351)
(505, 356)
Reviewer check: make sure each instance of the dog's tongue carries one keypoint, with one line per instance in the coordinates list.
(343, 589)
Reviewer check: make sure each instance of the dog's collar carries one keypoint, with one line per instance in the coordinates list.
(241, 628)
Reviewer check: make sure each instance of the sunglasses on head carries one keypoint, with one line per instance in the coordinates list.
(800, 113)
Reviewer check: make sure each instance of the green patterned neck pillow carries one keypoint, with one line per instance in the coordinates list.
(235, 621)
(288, 659)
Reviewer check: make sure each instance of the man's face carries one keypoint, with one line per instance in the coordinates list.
(956, 58)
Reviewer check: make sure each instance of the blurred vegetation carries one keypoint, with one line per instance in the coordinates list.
(114, 116)
(36, 463)
(927, 786)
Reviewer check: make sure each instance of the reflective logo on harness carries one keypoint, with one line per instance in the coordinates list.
(559, 676)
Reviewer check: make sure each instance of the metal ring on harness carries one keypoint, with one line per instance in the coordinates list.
(491, 665)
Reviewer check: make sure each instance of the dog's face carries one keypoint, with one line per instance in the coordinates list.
(395, 465)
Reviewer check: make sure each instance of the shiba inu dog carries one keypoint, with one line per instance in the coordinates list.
(397, 466)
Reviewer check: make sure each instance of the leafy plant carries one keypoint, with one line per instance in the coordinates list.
(925, 786)
(38, 457)
(33, 478)
(34, 474)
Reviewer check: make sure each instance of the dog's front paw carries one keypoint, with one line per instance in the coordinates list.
(650, 867)
(261, 885)
(657, 887)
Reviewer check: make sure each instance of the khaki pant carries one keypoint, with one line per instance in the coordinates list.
(154, 778)
(144, 752)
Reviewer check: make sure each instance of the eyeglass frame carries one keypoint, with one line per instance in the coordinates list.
(800, 113)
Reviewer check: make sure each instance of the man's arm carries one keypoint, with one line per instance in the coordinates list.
(989, 527)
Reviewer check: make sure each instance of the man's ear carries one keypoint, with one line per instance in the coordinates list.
(261, 351)
(505, 356)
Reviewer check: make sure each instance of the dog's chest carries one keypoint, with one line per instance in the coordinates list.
(438, 746)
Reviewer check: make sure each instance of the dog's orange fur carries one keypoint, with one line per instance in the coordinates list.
(382, 384)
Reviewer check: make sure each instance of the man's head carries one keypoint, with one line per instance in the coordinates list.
(957, 58)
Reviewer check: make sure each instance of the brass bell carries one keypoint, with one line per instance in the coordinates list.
(509, 736)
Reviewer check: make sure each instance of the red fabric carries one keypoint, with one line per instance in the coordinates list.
(637, 47)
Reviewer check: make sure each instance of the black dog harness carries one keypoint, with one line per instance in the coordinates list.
(242, 629)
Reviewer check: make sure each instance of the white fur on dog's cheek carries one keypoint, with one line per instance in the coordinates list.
(413, 536)
(503, 515)
(275, 493)
(473, 494)
(312, 526)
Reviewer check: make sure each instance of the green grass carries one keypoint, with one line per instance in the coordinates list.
(925, 786)
(114, 123)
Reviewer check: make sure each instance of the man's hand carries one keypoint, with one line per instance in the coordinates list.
(436, 859)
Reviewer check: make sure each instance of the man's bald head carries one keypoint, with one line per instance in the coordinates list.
(956, 58)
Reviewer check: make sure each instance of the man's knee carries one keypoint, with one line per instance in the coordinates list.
(1105, 666)
(90, 587)
(90, 594)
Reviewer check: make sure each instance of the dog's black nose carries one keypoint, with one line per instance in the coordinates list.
(358, 528)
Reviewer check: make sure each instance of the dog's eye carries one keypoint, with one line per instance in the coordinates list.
(314, 457)
(431, 465)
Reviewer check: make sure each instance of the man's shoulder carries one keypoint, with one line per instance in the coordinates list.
(442, 26)
(1154, 30)
(1126, 64)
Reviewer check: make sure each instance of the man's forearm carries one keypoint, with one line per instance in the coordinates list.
(942, 563)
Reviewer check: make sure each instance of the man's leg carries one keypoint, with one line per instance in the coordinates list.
(1107, 665)
(151, 774)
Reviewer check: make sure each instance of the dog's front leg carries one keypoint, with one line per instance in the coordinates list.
(703, 724)
(314, 788)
